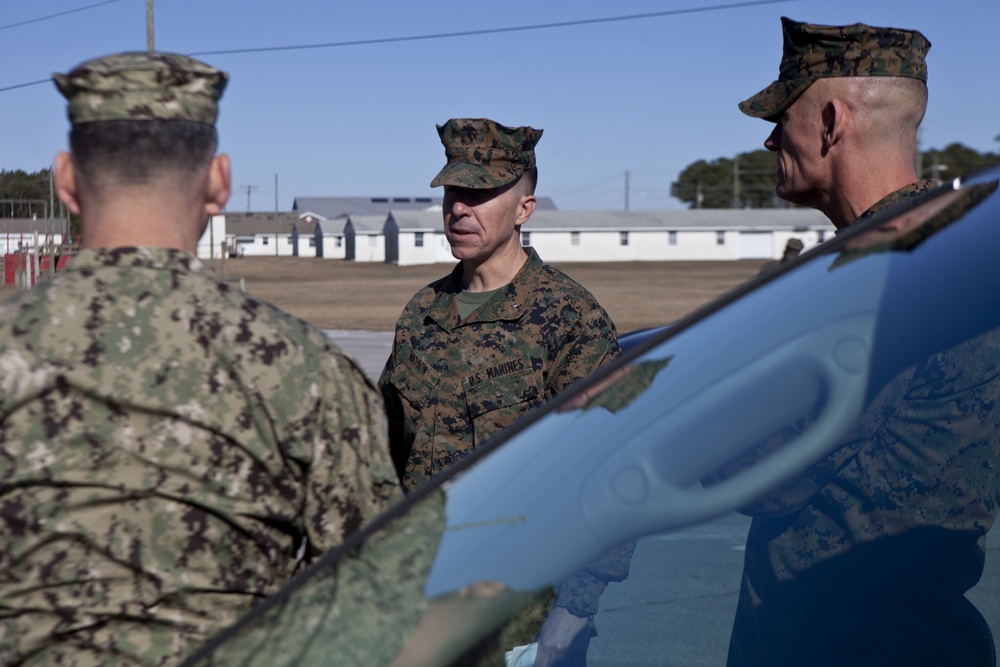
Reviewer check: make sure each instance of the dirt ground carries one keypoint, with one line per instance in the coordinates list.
(337, 294)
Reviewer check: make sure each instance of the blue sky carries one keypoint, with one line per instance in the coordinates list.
(646, 96)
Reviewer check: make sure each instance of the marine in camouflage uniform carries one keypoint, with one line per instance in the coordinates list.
(864, 559)
(792, 249)
(500, 335)
(172, 448)
(453, 381)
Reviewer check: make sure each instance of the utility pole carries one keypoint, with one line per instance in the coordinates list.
(736, 182)
(249, 189)
(937, 167)
(52, 195)
(626, 190)
(149, 26)
(277, 226)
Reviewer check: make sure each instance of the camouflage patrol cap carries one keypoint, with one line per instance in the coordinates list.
(483, 154)
(142, 86)
(814, 52)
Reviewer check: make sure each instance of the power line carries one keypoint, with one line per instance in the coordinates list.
(445, 35)
(53, 16)
(491, 31)
(25, 85)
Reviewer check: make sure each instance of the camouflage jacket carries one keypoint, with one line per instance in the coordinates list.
(170, 449)
(869, 552)
(450, 384)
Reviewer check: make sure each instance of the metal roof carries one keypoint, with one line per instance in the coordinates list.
(371, 224)
(330, 208)
(761, 219)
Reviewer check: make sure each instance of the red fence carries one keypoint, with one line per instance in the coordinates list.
(19, 267)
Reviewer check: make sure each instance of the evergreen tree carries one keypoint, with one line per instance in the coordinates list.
(23, 194)
(749, 179)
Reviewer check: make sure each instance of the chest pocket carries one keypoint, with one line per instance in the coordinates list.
(413, 378)
(495, 402)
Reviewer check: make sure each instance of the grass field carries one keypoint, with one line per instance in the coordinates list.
(336, 294)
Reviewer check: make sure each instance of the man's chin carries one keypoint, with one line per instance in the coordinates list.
(461, 252)
(791, 196)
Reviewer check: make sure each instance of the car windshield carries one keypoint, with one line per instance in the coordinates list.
(636, 473)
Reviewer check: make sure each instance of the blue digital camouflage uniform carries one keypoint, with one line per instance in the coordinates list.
(450, 384)
(170, 448)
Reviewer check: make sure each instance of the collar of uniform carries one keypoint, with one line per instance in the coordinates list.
(138, 258)
(905, 192)
(508, 305)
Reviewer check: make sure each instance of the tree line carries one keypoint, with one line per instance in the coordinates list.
(746, 181)
(26, 195)
(749, 179)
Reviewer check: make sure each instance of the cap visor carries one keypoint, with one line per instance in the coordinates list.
(467, 175)
(774, 99)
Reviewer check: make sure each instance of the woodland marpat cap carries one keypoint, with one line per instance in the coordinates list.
(814, 52)
(483, 154)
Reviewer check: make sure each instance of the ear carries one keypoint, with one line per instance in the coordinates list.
(525, 207)
(219, 184)
(836, 118)
(65, 182)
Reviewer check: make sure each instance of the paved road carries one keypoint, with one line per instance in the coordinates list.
(369, 348)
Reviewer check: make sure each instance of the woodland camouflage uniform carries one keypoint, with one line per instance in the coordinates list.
(171, 448)
(451, 383)
(864, 559)
(901, 195)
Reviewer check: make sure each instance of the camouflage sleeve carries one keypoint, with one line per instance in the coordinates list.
(352, 480)
(398, 447)
(592, 343)
(581, 591)
(925, 414)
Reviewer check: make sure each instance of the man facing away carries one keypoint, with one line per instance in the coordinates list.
(864, 559)
(500, 335)
(172, 449)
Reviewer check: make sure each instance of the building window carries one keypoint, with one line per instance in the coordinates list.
(372, 241)
(525, 238)
(312, 242)
(720, 238)
(623, 238)
(574, 238)
(418, 239)
(820, 236)
(671, 238)
(266, 240)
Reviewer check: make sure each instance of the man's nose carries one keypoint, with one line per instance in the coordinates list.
(459, 208)
(773, 141)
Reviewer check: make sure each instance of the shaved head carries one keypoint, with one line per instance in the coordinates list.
(887, 109)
